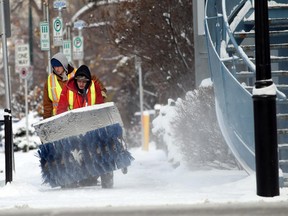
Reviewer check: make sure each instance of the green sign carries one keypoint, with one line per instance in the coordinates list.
(78, 42)
(78, 48)
(67, 49)
(44, 36)
(58, 25)
(57, 31)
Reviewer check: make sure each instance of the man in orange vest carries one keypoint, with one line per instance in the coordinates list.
(62, 71)
(81, 91)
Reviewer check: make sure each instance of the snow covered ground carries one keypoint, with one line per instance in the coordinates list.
(150, 181)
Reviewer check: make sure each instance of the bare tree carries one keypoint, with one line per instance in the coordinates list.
(160, 32)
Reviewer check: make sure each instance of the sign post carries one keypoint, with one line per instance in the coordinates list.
(78, 42)
(26, 114)
(45, 34)
(24, 69)
(58, 23)
(138, 68)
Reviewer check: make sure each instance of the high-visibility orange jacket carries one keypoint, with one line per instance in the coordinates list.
(71, 99)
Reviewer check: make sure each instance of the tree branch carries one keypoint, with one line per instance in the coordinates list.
(36, 9)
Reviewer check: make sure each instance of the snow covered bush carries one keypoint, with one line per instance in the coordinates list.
(164, 133)
(19, 133)
(191, 133)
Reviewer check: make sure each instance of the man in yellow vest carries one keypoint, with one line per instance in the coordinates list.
(62, 71)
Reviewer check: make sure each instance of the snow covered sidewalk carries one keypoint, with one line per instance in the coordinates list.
(151, 181)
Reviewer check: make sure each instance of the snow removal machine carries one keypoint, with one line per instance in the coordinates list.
(81, 145)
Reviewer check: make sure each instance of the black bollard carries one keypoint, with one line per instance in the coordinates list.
(266, 155)
(8, 146)
(264, 101)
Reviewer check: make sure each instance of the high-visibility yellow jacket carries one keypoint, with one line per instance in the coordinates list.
(48, 108)
(54, 90)
(51, 93)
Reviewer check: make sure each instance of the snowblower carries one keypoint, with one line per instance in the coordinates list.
(80, 145)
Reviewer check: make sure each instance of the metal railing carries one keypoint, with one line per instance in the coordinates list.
(234, 105)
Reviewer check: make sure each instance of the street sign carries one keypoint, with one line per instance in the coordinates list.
(22, 54)
(57, 31)
(59, 4)
(67, 50)
(25, 72)
(44, 36)
(78, 48)
(80, 24)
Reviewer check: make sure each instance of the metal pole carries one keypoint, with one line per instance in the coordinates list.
(139, 69)
(26, 114)
(5, 58)
(81, 62)
(264, 100)
(60, 15)
(9, 151)
(46, 6)
(30, 33)
(68, 31)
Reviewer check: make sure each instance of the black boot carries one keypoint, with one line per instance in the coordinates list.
(107, 180)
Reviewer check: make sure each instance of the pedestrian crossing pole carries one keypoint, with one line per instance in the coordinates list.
(264, 101)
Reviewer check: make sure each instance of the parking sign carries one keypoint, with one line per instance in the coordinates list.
(78, 48)
(67, 49)
(44, 36)
(57, 31)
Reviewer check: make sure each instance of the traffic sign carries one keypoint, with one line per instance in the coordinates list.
(57, 31)
(59, 4)
(22, 55)
(44, 36)
(25, 72)
(67, 50)
(80, 24)
(78, 48)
